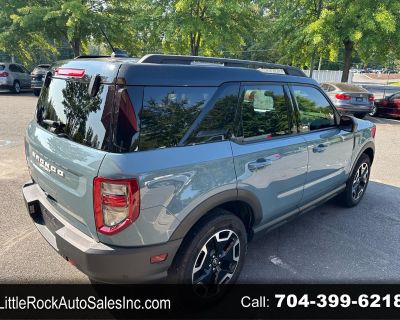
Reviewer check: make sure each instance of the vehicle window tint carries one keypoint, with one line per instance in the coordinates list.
(264, 112)
(315, 112)
(168, 112)
(217, 124)
(2, 67)
(78, 116)
(18, 69)
(13, 68)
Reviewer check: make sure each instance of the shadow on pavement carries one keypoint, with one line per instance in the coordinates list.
(333, 244)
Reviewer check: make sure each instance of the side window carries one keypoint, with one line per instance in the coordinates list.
(264, 112)
(395, 96)
(168, 112)
(19, 69)
(315, 112)
(218, 123)
(13, 68)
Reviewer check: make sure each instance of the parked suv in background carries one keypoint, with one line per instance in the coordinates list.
(14, 77)
(166, 167)
(38, 74)
(350, 98)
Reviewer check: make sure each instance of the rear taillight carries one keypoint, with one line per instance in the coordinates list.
(342, 96)
(373, 132)
(4, 74)
(116, 204)
(371, 98)
(69, 72)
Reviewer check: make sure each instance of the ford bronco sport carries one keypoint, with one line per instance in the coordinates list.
(165, 167)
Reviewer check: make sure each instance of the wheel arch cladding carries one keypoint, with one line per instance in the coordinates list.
(242, 204)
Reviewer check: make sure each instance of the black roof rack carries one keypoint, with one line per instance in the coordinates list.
(187, 60)
(83, 56)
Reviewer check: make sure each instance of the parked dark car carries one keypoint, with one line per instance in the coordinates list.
(350, 98)
(38, 74)
(388, 106)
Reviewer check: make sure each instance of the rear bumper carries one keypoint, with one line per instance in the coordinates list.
(36, 84)
(354, 109)
(98, 261)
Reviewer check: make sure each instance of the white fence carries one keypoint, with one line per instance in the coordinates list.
(319, 75)
(328, 75)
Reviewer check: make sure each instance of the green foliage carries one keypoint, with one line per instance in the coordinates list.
(296, 32)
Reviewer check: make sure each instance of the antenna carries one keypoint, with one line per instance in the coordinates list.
(108, 40)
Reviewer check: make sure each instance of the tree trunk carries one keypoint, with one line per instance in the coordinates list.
(312, 62)
(195, 43)
(76, 46)
(348, 50)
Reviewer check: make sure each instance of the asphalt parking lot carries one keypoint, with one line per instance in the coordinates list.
(328, 244)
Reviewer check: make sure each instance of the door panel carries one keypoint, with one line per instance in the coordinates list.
(278, 182)
(270, 161)
(329, 161)
(329, 148)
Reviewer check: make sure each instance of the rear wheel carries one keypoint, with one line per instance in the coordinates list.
(357, 183)
(16, 87)
(214, 252)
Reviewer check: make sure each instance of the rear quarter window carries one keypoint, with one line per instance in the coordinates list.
(168, 112)
(2, 67)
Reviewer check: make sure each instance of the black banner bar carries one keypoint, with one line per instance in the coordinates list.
(273, 301)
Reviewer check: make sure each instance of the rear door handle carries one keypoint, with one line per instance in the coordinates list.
(259, 164)
(319, 148)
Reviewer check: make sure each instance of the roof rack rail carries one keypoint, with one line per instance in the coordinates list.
(178, 59)
(90, 56)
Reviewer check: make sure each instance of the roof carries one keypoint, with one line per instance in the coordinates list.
(197, 75)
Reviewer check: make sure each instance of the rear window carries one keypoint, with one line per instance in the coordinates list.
(168, 112)
(2, 67)
(349, 87)
(66, 109)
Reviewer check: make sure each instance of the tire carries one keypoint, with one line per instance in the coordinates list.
(213, 253)
(16, 87)
(357, 183)
(373, 112)
(36, 92)
(360, 115)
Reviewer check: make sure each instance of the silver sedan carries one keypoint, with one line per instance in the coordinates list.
(350, 98)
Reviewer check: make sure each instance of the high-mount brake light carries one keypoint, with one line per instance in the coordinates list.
(70, 72)
(116, 204)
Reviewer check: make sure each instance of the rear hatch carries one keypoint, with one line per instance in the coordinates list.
(70, 135)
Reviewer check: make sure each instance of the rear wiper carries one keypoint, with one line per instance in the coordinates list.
(64, 135)
(52, 123)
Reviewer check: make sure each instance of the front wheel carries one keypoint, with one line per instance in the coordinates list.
(213, 252)
(357, 183)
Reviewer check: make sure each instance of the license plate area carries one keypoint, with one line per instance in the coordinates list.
(359, 99)
(49, 220)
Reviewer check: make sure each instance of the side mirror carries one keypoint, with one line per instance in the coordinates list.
(348, 124)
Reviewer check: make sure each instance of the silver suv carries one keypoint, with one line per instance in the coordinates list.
(14, 77)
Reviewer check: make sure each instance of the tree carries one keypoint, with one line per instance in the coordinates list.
(361, 26)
